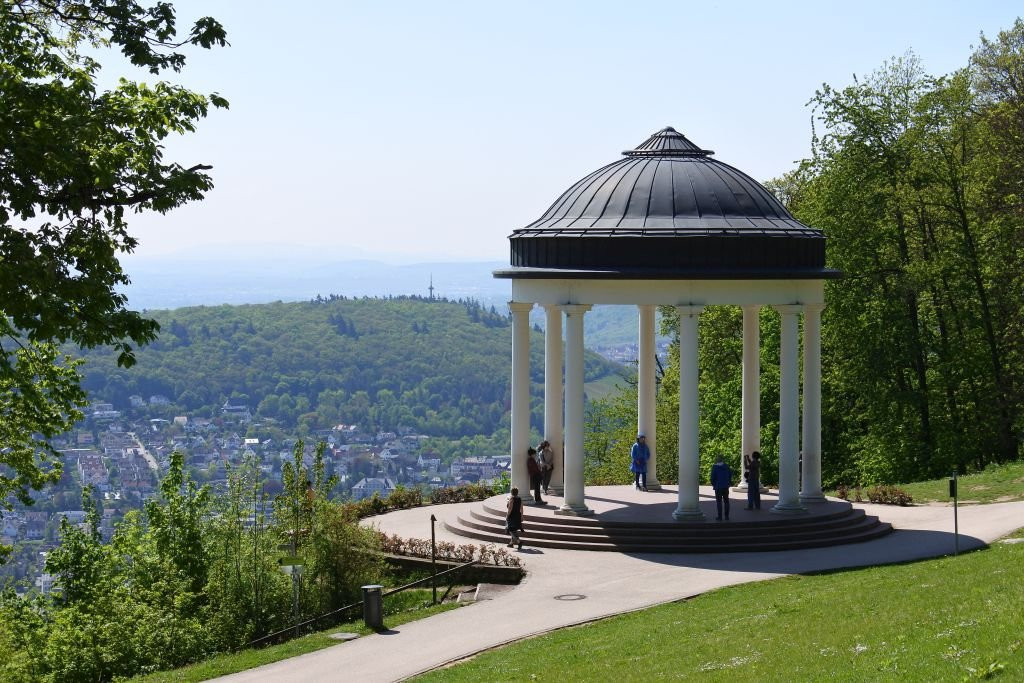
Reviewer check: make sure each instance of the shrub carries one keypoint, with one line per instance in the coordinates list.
(462, 494)
(402, 498)
(890, 495)
(418, 547)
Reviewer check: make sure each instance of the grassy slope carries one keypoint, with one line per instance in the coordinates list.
(995, 484)
(600, 388)
(936, 620)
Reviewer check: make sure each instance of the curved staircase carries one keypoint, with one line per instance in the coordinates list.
(643, 530)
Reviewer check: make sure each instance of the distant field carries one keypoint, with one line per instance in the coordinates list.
(608, 384)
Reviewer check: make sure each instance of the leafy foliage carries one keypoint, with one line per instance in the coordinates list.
(187, 578)
(917, 182)
(439, 367)
(73, 160)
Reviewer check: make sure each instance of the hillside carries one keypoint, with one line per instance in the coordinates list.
(439, 367)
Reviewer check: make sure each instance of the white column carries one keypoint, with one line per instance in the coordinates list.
(810, 489)
(688, 507)
(789, 497)
(646, 418)
(553, 390)
(573, 497)
(520, 394)
(750, 439)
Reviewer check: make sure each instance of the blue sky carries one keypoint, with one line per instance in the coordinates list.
(430, 131)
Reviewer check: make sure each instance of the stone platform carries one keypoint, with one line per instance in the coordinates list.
(627, 520)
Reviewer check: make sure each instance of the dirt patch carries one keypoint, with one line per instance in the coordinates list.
(1007, 499)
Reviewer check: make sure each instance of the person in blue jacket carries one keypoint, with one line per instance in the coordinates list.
(639, 456)
(721, 480)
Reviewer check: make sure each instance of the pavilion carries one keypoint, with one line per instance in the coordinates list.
(667, 225)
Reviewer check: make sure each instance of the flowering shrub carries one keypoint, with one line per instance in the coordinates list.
(890, 495)
(418, 547)
(885, 495)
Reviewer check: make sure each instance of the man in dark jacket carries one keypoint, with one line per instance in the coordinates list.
(721, 480)
(536, 475)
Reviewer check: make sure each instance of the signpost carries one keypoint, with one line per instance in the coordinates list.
(956, 524)
(433, 558)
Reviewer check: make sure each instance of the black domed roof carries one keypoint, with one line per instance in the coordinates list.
(668, 209)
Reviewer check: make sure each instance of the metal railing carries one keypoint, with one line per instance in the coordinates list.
(295, 628)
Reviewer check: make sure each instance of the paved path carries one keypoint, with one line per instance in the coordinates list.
(612, 583)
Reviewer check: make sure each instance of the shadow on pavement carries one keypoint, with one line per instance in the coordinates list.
(902, 545)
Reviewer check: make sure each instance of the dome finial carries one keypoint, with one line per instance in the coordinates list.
(667, 142)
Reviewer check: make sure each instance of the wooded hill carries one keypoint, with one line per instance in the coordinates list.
(440, 367)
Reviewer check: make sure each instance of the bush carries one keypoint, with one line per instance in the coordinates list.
(462, 494)
(885, 495)
(402, 499)
(890, 495)
(418, 547)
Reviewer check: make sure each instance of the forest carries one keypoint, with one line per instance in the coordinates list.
(439, 367)
(918, 183)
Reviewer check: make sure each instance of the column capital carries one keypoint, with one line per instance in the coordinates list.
(789, 309)
(690, 309)
(814, 308)
(520, 307)
(576, 309)
(551, 307)
(751, 307)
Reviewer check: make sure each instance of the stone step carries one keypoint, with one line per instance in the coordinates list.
(679, 545)
(634, 531)
(544, 515)
(713, 533)
(770, 525)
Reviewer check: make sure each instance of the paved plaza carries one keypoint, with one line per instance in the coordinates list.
(611, 583)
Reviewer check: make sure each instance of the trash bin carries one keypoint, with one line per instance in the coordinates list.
(373, 607)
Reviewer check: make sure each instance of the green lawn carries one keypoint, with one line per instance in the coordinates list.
(400, 608)
(995, 484)
(950, 619)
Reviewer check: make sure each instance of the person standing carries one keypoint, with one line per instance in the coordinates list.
(639, 455)
(536, 475)
(721, 480)
(546, 455)
(514, 518)
(754, 481)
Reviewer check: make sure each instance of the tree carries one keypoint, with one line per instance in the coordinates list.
(74, 159)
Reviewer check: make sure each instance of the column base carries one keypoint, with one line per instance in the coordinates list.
(654, 486)
(688, 515)
(743, 488)
(558, 490)
(574, 511)
(789, 509)
(813, 498)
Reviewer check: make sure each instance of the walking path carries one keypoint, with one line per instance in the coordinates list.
(610, 583)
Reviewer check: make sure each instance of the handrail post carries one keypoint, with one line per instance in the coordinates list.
(433, 558)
